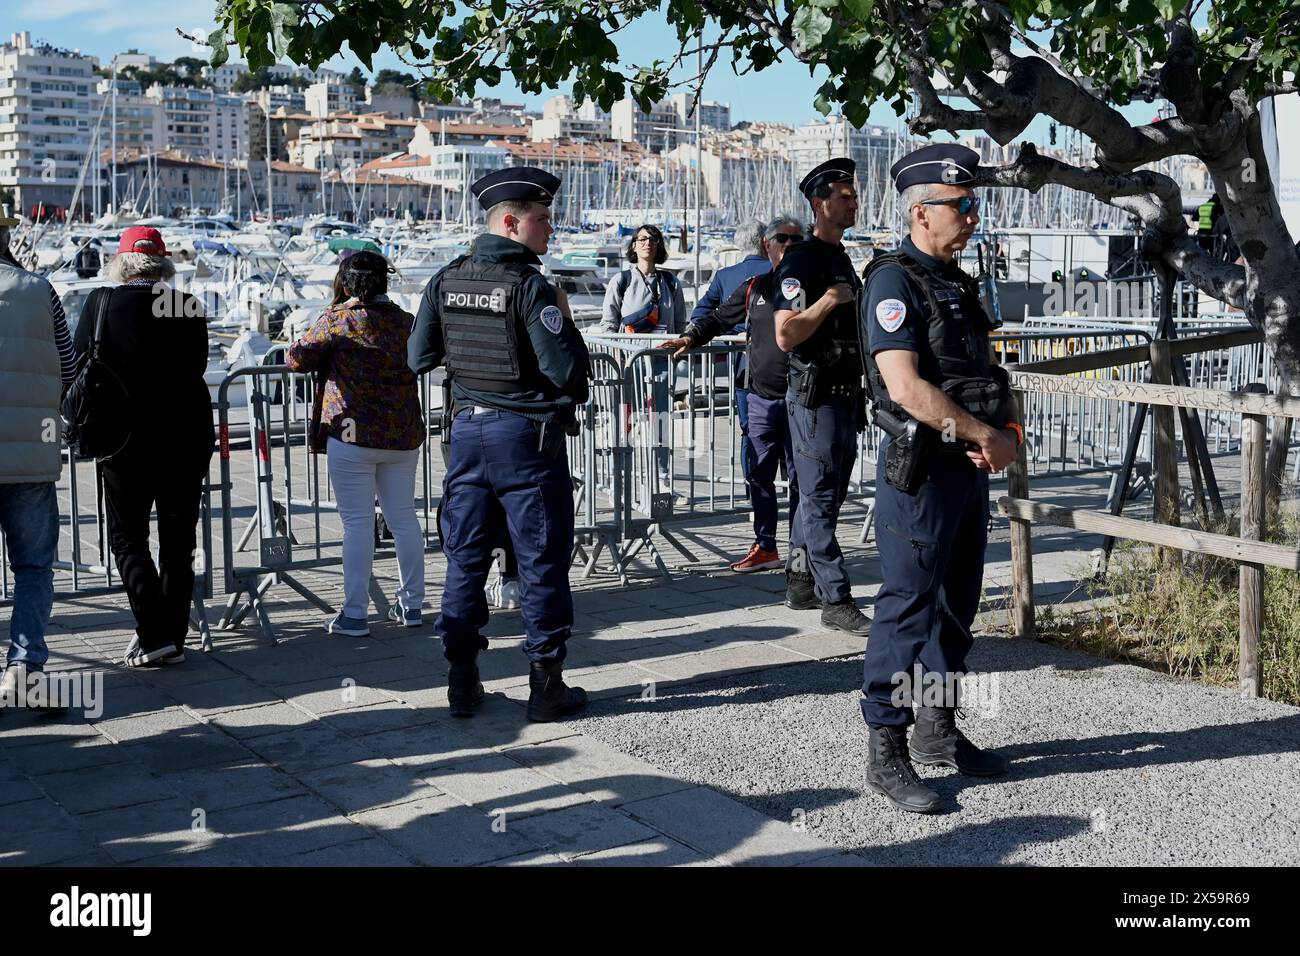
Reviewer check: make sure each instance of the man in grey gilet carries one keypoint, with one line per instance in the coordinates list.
(30, 458)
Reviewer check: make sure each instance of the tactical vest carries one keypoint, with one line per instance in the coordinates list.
(768, 367)
(835, 347)
(957, 330)
(485, 337)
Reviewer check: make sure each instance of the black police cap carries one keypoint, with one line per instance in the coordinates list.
(938, 163)
(832, 171)
(518, 184)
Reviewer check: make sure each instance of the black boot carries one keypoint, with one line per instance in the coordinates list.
(845, 616)
(550, 698)
(800, 593)
(464, 689)
(937, 742)
(890, 773)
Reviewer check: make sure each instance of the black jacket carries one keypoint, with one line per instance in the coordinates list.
(156, 341)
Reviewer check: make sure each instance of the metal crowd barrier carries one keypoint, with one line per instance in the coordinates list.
(84, 566)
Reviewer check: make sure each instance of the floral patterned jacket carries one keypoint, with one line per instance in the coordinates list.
(371, 398)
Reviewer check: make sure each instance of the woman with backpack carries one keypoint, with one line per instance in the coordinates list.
(154, 340)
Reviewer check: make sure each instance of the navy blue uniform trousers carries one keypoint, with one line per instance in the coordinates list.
(825, 446)
(769, 430)
(932, 564)
(498, 480)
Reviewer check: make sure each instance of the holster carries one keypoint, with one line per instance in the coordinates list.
(550, 438)
(444, 422)
(909, 447)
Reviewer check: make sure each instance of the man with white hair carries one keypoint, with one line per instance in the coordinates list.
(948, 422)
(749, 240)
(36, 361)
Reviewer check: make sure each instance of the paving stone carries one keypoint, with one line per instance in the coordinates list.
(132, 701)
(378, 718)
(238, 784)
(310, 747)
(187, 749)
(135, 833)
(726, 830)
(328, 697)
(145, 726)
(118, 785)
(371, 851)
(605, 681)
(367, 784)
(496, 782)
(282, 828)
(232, 693)
(25, 728)
(73, 753)
(33, 847)
(583, 829)
(425, 748)
(444, 832)
(249, 722)
(659, 851)
(724, 660)
(532, 858)
(823, 645)
(597, 770)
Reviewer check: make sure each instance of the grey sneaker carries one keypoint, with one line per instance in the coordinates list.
(409, 616)
(137, 656)
(347, 626)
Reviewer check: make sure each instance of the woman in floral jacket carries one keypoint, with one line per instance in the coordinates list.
(371, 428)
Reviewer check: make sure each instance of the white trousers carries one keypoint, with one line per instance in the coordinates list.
(358, 475)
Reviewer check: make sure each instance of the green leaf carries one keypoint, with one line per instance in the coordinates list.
(220, 52)
(860, 9)
(810, 26)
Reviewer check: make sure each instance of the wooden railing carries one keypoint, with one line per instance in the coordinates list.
(1255, 406)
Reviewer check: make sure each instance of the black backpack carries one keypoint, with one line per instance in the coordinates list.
(95, 406)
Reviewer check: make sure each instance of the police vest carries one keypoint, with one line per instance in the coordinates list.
(768, 367)
(486, 341)
(834, 348)
(957, 331)
(1205, 218)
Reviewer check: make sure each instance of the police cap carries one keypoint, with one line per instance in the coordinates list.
(518, 184)
(832, 171)
(938, 163)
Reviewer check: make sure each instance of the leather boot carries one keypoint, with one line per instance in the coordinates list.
(937, 742)
(800, 593)
(891, 774)
(464, 689)
(550, 698)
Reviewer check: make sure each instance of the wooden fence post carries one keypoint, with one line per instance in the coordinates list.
(1254, 450)
(1022, 556)
(1166, 449)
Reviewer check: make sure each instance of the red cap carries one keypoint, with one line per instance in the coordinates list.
(143, 239)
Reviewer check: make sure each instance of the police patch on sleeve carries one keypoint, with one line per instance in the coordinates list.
(890, 313)
(790, 287)
(553, 319)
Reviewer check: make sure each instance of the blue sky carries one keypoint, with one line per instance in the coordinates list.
(782, 93)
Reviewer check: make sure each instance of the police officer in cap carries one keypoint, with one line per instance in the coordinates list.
(816, 323)
(518, 369)
(948, 421)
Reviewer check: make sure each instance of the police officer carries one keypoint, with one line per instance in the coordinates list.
(518, 368)
(816, 323)
(753, 305)
(947, 420)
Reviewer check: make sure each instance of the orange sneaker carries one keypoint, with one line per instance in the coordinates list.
(757, 560)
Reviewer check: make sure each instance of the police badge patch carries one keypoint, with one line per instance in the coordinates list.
(790, 287)
(553, 319)
(890, 313)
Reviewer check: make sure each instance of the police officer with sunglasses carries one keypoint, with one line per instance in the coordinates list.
(948, 421)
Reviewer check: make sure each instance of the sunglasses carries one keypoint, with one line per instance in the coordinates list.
(965, 205)
(653, 240)
(784, 237)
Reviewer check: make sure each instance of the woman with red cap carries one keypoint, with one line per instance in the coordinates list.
(155, 340)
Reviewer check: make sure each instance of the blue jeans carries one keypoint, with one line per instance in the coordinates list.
(29, 516)
(748, 456)
(770, 432)
(499, 483)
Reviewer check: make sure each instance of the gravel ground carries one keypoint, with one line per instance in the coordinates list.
(1111, 764)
